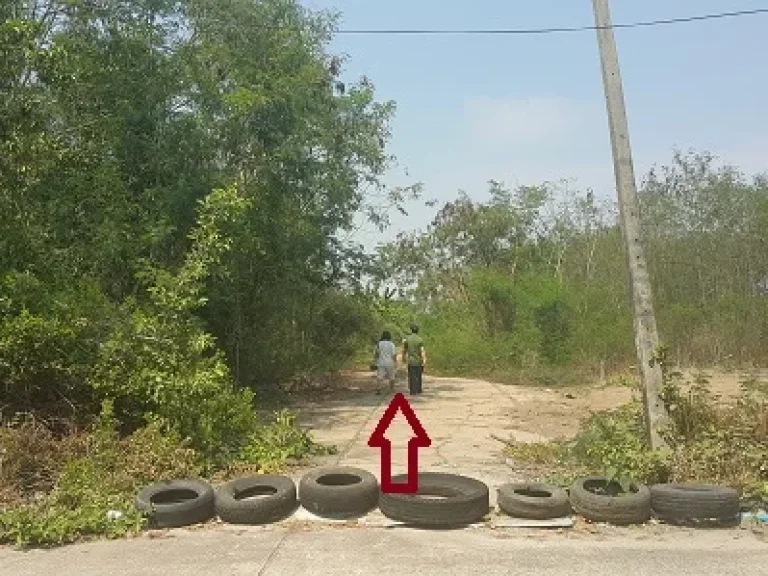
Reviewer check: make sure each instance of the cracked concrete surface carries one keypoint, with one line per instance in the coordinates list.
(460, 417)
(281, 551)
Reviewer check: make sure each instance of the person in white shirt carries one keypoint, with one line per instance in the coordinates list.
(385, 356)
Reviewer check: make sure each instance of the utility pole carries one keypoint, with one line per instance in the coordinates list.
(646, 334)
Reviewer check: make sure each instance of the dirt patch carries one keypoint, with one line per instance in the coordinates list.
(544, 414)
(727, 385)
(533, 413)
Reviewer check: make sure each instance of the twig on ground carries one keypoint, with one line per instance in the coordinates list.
(507, 442)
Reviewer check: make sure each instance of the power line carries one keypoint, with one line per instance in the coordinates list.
(561, 30)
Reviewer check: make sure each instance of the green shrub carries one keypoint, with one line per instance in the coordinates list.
(707, 442)
(100, 477)
(614, 443)
(158, 370)
(49, 340)
(718, 443)
(160, 363)
(280, 441)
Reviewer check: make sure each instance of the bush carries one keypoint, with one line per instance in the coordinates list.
(613, 443)
(708, 442)
(160, 364)
(281, 441)
(157, 370)
(58, 490)
(151, 357)
(718, 443)
(49, 340)
(94, 475)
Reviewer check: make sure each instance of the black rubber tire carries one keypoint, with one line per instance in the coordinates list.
(465, 501)
(684, 502)
(340, 493)
(277, 499)
(632, 507)
(175, 503)
(533, 500)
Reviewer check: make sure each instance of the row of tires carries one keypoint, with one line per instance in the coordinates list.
(345, 493)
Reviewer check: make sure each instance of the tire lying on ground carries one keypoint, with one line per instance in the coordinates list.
(600, 500)
(533, 500)
(694, 502)
(460, 501)
(174, 503)
(340, 493)
(256, 499)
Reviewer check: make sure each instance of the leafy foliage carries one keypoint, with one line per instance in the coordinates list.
(57, 490)
(708, 442)
(280, 441)
(174, 189)
(536, 276)
(161, 363)
(119, 119)
(98, 474)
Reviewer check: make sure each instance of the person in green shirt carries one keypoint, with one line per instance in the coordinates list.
(415, 356)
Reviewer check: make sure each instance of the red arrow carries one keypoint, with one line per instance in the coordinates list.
(379, 440)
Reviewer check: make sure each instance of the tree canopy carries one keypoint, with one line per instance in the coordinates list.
(175, 179)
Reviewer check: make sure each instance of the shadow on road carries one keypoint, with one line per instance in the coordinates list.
(335, 405)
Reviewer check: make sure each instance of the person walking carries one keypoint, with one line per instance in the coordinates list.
(385, 356)
(415, 356)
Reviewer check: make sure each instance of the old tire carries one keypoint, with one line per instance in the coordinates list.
(534, 501)
(685, 502)
(175, 503)
(256, 499)
(340, 493)
(464, 501)
(623, 508)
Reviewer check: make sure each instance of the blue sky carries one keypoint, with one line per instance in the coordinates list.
(529, 109)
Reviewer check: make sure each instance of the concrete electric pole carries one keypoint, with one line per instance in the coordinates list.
(646, 334)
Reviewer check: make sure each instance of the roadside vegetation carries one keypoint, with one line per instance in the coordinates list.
(533, 282)
(709, 441)
(531, 287)
(176, 184)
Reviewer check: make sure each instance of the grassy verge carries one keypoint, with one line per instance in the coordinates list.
(708, 442)
(62, 488)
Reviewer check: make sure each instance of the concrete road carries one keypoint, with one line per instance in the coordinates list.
(461, 416)
(228, 550)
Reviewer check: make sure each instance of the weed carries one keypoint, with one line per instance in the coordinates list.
(707, 442)
(536, 452)
(754, 384)
(719, 443)
(58, 490)
(280, 441)
(613, 443)
(30, 458)
(90, 475)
